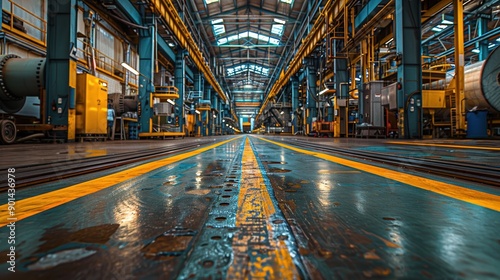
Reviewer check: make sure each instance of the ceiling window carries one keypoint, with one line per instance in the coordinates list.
(218, 26)
(284, 1)
(255, 68)
(222, 41)
(253, 35)
(232, 38)
(212, 1)
(278, 26)
(248, 34)
(274, 41)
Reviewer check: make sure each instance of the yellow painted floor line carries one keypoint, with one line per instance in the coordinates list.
(31, 206)
(257, 255)
(482, 199)
(446, 146)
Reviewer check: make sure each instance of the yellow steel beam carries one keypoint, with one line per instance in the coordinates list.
(247, 104)
(167, 10)
(318, 32)
(458, 7)
(441, 5)
(234, 116)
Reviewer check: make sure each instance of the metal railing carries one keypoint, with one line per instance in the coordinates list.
(25, 23)
(86, 55)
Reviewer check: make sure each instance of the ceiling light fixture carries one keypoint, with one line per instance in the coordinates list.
(130, 68)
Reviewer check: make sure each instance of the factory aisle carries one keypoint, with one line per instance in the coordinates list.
(250, 207)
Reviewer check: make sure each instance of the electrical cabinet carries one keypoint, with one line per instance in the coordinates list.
(91, 105)
(372, 107)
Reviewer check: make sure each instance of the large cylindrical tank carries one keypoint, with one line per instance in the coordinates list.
(19, 78)
(482, 83)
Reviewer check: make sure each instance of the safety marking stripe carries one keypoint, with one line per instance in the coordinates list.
(447, 146)
(258, 253)
(34, 205)
(482, 199)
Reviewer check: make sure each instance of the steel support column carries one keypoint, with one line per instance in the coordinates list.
(459, 122)
(408, 35)
(180, 84)
(295, 105)
(61, 67)
(146, 66)
(198, 87)
(312, 110)
(482, 27)
(341, 80)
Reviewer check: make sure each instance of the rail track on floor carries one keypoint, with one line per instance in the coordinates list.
(35, 174)
(469, 172)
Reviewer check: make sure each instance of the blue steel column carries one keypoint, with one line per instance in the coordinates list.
(180, 80)
(481, 29)
(311, 95)
(409, 97)
(61, 66)
(214, 121)
(295, 104)
(198, 87)
(146, 66)
(208, 96)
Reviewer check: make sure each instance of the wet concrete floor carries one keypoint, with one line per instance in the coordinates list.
(251, 209)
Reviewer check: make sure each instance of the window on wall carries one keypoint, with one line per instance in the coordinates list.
(105, 46)
(109, 51)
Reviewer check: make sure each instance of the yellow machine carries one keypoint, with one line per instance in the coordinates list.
(91, 107)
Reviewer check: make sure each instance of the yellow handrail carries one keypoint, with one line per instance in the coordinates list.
(24, 18)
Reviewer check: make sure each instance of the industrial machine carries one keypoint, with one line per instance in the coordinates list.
(21, 83)
(22, 102)
(481, 91)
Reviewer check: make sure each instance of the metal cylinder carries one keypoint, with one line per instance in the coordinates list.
(19, 78)
(482, 83)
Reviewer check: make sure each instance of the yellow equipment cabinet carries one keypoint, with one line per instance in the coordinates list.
(91, 107)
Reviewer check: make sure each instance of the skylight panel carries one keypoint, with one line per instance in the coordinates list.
(232, 38)
(284, 1)
(214, 1)
(274, 41)
(280, 21)
(243, 35)
(218, 27)
(278, 27)
(263, 38)
(253, 35)
(222, 41)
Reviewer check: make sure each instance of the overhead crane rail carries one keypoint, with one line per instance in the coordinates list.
(167, 10)
(330, 13)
